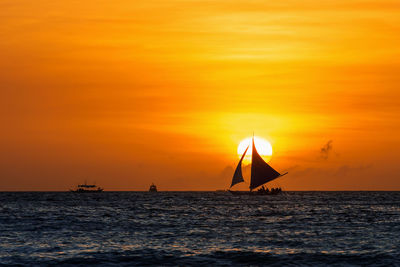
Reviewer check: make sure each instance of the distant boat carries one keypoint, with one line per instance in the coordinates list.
(153, 188)
(261, 173)
(87, 188)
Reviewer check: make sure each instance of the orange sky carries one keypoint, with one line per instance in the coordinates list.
(126, 93)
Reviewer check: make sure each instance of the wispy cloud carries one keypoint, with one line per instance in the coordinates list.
(326, 150)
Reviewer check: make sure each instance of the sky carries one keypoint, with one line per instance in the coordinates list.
(126, 93)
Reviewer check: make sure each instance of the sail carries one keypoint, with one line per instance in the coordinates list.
(261, 172)
(238, 177)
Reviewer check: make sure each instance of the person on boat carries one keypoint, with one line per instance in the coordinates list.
(262, 189)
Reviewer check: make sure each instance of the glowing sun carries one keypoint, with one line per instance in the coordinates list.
(263, 147)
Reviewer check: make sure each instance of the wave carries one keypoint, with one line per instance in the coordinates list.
(152, 257)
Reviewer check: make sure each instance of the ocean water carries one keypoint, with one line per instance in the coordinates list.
(200, 228)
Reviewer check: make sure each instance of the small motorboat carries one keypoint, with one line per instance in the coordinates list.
(153, 188)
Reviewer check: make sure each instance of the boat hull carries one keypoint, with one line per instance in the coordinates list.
(87, 191)
(254, 193)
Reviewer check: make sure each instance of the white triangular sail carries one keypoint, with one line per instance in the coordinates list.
(237, 176)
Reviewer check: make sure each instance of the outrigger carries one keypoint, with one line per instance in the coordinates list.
(87, 188)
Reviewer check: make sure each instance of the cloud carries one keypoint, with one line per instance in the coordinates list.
(345, 169)
(227, 172)
(326, 150)
(323, 173)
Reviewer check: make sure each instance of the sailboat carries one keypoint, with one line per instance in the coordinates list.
(261, 173)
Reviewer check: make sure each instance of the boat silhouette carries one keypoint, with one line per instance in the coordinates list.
(261, 173)
(153, 188)
(87, 188)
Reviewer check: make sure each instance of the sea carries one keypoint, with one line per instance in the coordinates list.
(200, 229)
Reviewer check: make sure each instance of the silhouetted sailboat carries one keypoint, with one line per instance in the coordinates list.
(261, 173)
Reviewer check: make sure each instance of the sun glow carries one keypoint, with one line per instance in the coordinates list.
(263, 147)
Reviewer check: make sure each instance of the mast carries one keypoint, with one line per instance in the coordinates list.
(237, 176)
(261, 172)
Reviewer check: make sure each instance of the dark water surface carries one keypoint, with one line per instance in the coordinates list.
(200, 228)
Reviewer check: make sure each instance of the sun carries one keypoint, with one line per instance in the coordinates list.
(263, 147)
